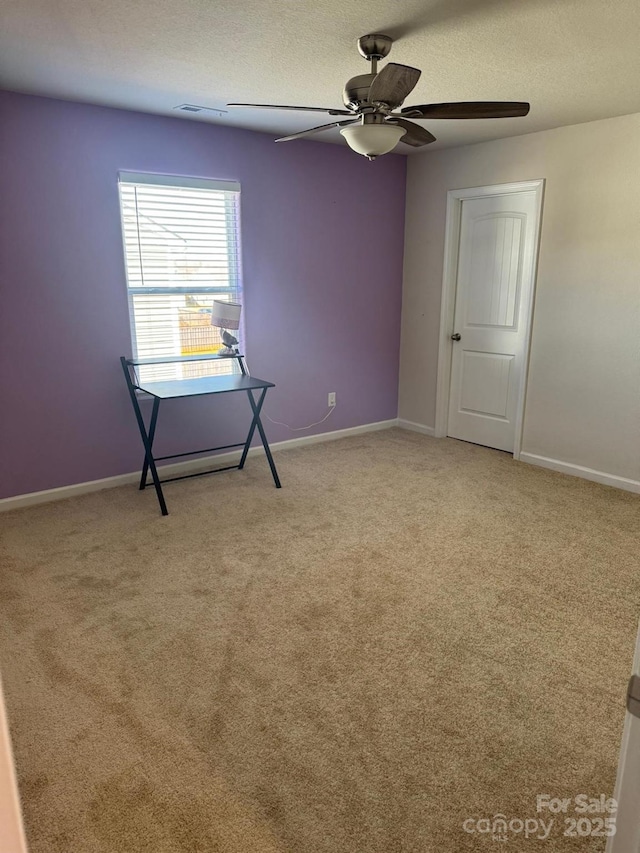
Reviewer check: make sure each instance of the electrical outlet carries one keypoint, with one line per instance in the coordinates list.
(332, 399)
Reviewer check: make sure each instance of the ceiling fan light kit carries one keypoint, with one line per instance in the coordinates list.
(373, 126)
(372, 140)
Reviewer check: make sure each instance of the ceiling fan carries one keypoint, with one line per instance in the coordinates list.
(372, 101)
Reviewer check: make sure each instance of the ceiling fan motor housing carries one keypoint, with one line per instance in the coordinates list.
(356, 90)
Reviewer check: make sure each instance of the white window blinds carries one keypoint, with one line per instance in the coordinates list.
(182, 251)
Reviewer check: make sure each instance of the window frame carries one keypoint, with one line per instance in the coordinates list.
(234, 255)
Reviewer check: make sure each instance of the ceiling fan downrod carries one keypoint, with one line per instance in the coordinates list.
(374, 47)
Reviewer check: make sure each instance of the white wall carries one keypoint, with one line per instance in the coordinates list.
(583, 398)
(12, 839)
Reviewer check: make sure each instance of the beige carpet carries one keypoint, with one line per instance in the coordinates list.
(411, 633)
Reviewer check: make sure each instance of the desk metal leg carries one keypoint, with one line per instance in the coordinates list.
(152, 432)
(252, 428)
(149, 460)
(148, 455)
(267, 451)
(256, 422)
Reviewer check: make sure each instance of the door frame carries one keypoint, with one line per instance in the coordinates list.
(447, 305)
(627, 785)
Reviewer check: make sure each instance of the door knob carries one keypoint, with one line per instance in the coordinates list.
(455, 337)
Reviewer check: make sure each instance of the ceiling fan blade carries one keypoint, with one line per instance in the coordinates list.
(392, 85)
(305, 109)
(316, 130)
(469, 109)
(415, 136)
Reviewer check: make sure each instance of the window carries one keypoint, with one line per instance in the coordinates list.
(182, 251)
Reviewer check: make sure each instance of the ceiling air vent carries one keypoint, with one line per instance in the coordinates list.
(194, 108)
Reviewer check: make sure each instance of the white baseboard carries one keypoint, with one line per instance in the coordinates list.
(187, 467)
(580, 471)
(414, 427)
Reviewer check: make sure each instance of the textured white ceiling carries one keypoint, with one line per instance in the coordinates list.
(574, 60)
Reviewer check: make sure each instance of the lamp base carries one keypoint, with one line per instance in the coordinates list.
(228, 351)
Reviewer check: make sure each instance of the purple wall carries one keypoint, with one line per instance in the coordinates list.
(322, 232)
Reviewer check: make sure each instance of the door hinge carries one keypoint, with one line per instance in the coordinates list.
(633, 696)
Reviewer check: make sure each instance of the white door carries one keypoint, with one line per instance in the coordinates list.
(496, 263)
(627, 793)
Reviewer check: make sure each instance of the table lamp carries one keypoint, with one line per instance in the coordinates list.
(226, 315)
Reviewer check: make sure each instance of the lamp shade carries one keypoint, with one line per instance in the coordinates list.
(372, 140)
(226, 315)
